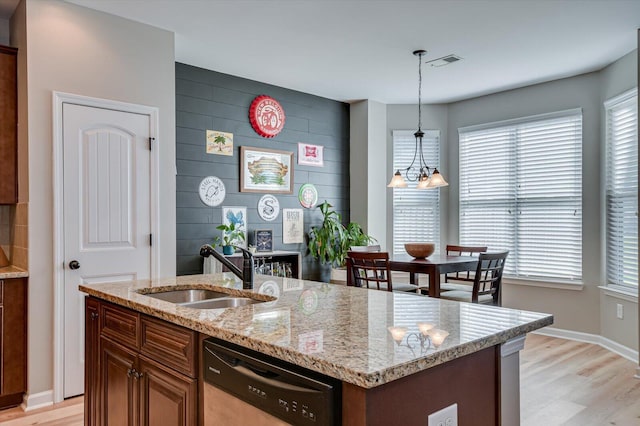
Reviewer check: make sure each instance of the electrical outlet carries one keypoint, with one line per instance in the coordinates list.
(448, 416)
(620, 311)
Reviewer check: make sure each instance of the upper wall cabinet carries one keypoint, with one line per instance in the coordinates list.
(8, 126)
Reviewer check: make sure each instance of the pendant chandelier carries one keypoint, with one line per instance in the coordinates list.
(419, 172)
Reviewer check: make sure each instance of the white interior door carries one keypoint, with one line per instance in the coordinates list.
(107, 213)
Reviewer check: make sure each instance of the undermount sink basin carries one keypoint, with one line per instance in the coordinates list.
(187, 296)
(227, 302)
(202, 299)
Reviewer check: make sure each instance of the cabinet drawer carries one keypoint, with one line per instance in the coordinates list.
(121, 325)
(169, 344)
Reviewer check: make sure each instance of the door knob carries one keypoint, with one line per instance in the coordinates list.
(74, 264)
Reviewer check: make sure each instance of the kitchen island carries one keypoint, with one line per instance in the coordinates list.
(337, 331)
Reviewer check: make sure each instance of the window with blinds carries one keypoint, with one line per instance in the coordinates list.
(521, 190)
(622, 190)
(416, 212)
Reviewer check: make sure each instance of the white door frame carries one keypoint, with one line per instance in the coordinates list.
(60, 98)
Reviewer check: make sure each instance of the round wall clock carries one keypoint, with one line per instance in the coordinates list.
(268, 207)
(212, 191)
(308, 195)
(266, 116)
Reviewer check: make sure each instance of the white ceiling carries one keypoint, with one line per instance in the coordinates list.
(355, 49)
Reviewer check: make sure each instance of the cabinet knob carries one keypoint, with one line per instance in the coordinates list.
(74, 264)
(94, 315)
(130, 372)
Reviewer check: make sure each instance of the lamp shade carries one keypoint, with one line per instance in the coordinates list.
(436, 180)
(397, 181)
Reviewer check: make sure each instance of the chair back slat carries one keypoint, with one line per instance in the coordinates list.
(365, 269)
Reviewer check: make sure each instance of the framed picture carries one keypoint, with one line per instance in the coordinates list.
(266, 170)
(292, 226)
(310, 155)
(220, 143)
(237, 216)
(264, 240)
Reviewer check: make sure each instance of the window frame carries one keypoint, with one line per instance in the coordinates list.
(621, 101)
(510, 143)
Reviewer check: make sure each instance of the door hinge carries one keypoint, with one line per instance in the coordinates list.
(150, 239)
(151, 142)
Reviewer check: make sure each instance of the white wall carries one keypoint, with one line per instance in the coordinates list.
(77, 50)
(368, 201)
(573, 310)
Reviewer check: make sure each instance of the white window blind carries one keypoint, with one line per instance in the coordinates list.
(622, 190)
(521, 190)
(416, 212)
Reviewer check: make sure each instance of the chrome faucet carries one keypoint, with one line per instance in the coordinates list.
(246, 274)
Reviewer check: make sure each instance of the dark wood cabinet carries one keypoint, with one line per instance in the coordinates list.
(13, 341)
(166, 397)
(141, 370)
(8, 126)
(92, 359)
(118, 385)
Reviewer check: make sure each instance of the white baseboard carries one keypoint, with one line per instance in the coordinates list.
(37, 400)
(615, 347)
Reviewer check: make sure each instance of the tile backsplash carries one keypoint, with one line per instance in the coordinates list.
(14, 232)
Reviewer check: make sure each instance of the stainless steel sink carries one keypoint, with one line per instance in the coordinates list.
(187, 296)
(202, 299)
(227, 302)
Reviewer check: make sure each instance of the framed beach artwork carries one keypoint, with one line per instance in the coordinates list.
(266, 170)
(237, 216)
(310, 155)
(220, 143)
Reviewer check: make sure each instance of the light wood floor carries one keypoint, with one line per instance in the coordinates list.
(562, 383)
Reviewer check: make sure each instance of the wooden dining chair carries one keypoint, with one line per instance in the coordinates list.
(460, 280)
(366, 269)
(486, 281)
(370, 248)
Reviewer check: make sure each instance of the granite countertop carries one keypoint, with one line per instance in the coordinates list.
(336, 330)
(10, 271)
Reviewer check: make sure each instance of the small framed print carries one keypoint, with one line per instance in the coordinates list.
(310, 155)
(237, 216)
(220, 143)
(264, 240)
(292, 226)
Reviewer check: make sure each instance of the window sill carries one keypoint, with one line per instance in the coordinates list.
(620, 293)
(576, 286)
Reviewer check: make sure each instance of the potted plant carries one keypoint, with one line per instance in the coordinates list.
(230, 236)
(330, 242)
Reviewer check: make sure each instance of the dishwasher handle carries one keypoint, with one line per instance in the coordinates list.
(244, 368)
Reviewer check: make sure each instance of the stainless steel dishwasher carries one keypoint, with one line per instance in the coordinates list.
(245, 387)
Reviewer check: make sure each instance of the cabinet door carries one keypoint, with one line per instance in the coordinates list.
(167, 398)
(119, 388)
(92, 362)
(14, 341)
(8, 126)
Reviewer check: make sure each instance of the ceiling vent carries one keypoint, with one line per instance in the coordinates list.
(445, 60)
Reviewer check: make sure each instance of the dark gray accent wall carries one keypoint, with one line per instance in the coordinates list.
(208, 100)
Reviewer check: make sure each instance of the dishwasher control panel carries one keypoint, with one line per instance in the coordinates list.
(287, 392)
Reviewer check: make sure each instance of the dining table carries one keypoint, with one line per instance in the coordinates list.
(433, 265)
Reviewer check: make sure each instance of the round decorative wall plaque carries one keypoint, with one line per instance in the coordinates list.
(212, 191)
(266, 116)
(308, 195)
(268, 207)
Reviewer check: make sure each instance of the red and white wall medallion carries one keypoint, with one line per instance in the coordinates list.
(266, 116)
